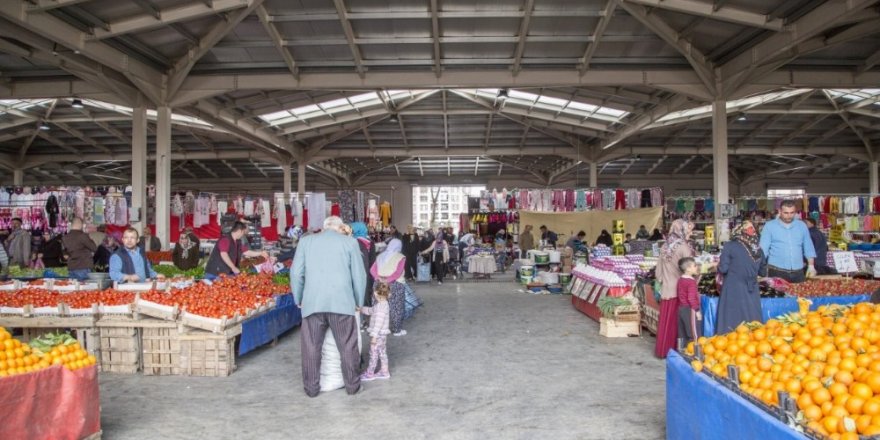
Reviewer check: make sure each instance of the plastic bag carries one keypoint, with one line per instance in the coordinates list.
(412, 302)
(331, 361)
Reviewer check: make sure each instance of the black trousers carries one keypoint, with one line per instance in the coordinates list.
(795, 276)
(439, 268)
(410, 265)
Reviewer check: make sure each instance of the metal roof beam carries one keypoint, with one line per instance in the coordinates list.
(426, 15)
(673, 103)
(207, 170)
(758, 130)
(155, 19)
(349, 35)
(47, 5)
(144, 77)
(869, 63)
(715, 12)
(185, 63)
(435, 37)
(316, 147)
(701, 65)
(528, 8)
(81, 136)
(865, 139)
(39, 159)
(27, 143)
(610, 5)
(275, 36)
(738, 71)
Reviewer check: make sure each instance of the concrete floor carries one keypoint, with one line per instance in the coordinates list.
(480, 361)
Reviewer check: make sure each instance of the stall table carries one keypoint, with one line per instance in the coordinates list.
(481, 265)
(697, 406)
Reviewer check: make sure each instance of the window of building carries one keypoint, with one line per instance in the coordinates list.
(423, 198)
(423, 216)
(444, 207)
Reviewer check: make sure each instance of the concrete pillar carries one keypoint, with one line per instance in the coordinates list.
(873, 178)
(139, 165)
(288, 184)
(594, 175)
(163, 175)
(301, 180)
(18, 177)
(720, 178)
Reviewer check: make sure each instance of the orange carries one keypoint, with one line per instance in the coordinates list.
(793, 386)
(830, 424)
(872, 379)
(843, 377)
(854, 405)
(839, 412)
(871, 406)
(861, 390)
(838, 388)
(847, 364)
(805, 401)
(820, 395)
(62, 349)
(872, 430)
(813, 412)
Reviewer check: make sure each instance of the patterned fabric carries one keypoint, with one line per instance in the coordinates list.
(378, 352)
(397, 303)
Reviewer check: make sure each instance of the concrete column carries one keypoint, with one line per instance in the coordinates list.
(301, 180)
(873, 178)
(594, 175)
(139, 165)
(288, 184)
(163, 175)
(18, 177)
(720, 178)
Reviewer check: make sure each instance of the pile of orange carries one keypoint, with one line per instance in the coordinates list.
(827, 360)
(17, 358)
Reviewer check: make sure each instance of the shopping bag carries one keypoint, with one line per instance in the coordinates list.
(424, 272)
(411, 302)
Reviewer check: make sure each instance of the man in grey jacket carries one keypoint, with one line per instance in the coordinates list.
(328, 282)
(19, 245)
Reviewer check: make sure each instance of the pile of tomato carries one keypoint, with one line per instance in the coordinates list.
(157, 257)
(840, 287)
(78, 300)
(35, 297)
(827, 360)
(109, 297)
(227, 296)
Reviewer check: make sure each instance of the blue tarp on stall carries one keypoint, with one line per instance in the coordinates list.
(265, 328)
(771, 307)
(698, 407)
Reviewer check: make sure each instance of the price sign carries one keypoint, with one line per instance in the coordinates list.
(845, 262)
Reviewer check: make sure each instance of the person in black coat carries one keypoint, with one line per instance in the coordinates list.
(51, 252)
(604, 238)
(820, 243)
(741, 261)
(411, 248)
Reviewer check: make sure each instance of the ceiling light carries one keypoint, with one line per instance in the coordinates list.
(741, 118)
(502, 94)
(44, 126)
(77, 103)
(393, 118)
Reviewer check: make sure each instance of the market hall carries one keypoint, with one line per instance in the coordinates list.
(496, 219)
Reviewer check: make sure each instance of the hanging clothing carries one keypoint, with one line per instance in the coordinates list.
(385, 213)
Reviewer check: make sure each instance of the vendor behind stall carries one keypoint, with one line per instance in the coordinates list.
(549, 237)
(820, 243)
(227, 253)
(51, 252)
(186, 253)
(130, 263)
(576, 243)
(604, 238)
(786, 242)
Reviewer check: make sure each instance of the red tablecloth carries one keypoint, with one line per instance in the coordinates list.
(208, 231)
(54, 403)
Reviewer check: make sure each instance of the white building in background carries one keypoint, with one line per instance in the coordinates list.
(451, 202)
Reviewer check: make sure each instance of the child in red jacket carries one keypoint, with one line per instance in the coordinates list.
(690, 320)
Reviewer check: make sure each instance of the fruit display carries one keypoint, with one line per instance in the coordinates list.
(157, 257)
(226, 297)
(43, 352)
(707, 285)
(827, 360)
(768, 291)
(80, 299)
(837, 287)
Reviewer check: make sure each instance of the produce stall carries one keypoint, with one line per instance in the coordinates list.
(48, 389)
(589, 284)
(696, 405)
(818, 371)
(820, 292)
(184, 328)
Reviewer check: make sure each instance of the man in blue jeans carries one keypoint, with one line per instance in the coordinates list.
(80, 251)
(786, 242)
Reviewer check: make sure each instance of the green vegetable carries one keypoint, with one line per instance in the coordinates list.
(171, 271)
(608, 304)
(282, 279)
(45, 343)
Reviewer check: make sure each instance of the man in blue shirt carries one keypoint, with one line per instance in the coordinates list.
(786, 241)
(129, 263)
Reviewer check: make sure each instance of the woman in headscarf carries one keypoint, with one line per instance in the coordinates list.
(439, 252)
(51, 252)
(106, 250)
(186, 253)
(604, 238)
(389, 268)
(741, 262)
(668, 273)
(368, 252)
(656, 236)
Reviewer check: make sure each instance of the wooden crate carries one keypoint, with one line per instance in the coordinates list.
(619, 329)
(207, 354)
(161, 351)
(120, 349)
(87, 336)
